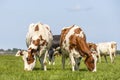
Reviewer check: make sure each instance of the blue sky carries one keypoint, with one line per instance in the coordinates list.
(100, 19)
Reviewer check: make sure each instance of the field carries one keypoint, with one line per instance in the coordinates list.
(11, 68)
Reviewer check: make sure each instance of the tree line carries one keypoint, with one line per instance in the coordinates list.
(14, 50)
(9, 51)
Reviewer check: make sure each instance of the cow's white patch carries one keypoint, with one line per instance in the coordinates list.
(33, 46)
(95, 62)
(75, 53)
(71, 32)
(18, 53)
(81, 34)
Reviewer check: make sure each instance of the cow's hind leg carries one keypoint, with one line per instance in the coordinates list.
(63, 61)
(77, 63)
(105, 58)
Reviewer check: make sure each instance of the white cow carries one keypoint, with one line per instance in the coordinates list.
(107, 48)
(39, 40)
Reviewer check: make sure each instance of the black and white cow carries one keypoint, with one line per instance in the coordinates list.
(55, 49)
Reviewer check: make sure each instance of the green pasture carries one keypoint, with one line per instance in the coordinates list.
(11, 68)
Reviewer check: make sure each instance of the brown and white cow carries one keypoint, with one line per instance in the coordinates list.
(39, 40)
(92, 46)
(24, 55)
(107, 48)
(73, 44)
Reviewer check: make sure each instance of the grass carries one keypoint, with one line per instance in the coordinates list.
(11, 68)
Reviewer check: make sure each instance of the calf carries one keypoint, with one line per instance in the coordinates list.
(107, 48)
(39, 40)
(73, 44)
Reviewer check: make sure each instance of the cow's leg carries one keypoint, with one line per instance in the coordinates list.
(77, 61)
(63, 61)
(53, 59)
(72, 61)
(45, 61)
(49, 58)
(41, 61)
(105, 58)
(99, 56)
(111, 57)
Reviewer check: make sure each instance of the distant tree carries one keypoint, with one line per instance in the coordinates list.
(8, 50)
(1, 49)
(15, 49)
(118, 52)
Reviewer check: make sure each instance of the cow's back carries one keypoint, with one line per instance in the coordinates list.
(41, 31)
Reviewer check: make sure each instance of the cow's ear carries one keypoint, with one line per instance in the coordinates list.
(19, 53)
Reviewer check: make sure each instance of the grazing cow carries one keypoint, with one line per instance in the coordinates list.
(107, 48)
(24, 54)
(39, 40)
(92, 46)
(73, 44)
(54, 48)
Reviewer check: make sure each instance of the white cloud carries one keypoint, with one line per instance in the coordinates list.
(76, 8)
(79, 8)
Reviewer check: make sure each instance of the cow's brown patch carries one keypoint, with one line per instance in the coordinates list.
(64, 33)
(21, 53)
(30, 58)
(36, 28)
(77, 31)
(92, 46)
(72, 42)
(89, 61)
(36, 42)
(41, 38)
(43, 41)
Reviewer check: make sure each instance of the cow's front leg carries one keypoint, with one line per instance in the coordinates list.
(72, 61)
(45, 61)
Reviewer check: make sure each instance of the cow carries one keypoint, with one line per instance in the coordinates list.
(92, 46)
(73, 44)
(24, 54)
(39, 40)
(107, 48)
(54, 50)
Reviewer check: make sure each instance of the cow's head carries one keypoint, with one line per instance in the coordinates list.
(28, 58)
(90, 62)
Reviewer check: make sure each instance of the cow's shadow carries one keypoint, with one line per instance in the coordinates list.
(49, 69)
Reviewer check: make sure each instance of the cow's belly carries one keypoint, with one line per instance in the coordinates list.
(75, 53)
(103, 50)
(66, 52)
